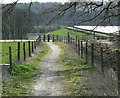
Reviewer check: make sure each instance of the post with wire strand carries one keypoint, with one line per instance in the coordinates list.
(29, 48)
(76, 43)
(86, 51)
(39, 38)
(44, 37)
(32, 47)
(10, 58)
(118, 69)
(18, 51)
(57, 37)
(53, 38)
(24, 52)
(79, 47)
(101, 54)
(68, 35)
(34, 44)
(92, 54)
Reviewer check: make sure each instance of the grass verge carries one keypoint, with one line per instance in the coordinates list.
(74, 70)
(64, 32)
(22, 75)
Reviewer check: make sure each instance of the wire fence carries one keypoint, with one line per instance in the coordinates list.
(97, 54)
(17, 52)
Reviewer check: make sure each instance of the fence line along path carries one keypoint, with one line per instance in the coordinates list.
(19, 54)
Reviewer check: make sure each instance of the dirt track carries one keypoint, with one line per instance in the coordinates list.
(48, 83)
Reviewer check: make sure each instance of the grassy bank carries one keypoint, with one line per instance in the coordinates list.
(74, 70)
(22, 75)
(64, 32)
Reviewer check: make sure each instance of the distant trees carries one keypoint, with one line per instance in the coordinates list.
(20, 18)
(15, 24)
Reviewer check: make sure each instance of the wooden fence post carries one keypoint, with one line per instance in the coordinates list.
(86, 51)
(29, 48)
(57, 37)
(48, 37)
(53, 38)
(92, 54)
(34, 44)
(68, 37)
(32, 47)
(39, 38)
(10, 58)
(101, 54)
(81, 49)
(118, 65)
(24, 52)
(18, 51)
(44, 38)
(76, 43)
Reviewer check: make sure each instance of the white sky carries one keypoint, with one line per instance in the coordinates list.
(27, 1)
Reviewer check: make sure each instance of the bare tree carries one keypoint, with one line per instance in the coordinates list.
(16, 22)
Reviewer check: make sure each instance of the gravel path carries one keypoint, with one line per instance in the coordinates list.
(48, 83)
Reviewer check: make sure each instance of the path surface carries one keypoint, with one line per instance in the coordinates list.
(48, 83)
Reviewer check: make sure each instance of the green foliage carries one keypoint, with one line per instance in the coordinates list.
(22, 69)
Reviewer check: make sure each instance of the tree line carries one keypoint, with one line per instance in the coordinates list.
(22, 18)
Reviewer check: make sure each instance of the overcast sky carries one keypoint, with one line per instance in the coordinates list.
(27, 1)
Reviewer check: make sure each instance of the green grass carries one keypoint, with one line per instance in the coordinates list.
(64, 32)
(99, 34)
(22, 75)
(74, 70)
(14, 46)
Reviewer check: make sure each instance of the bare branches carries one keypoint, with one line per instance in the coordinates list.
(9, 7)
(89, 10)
